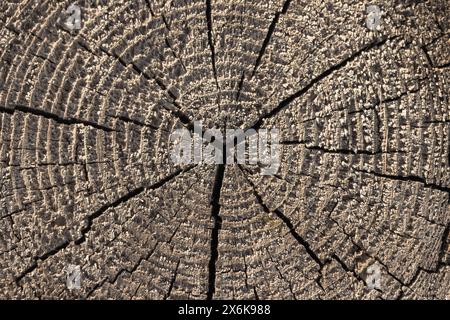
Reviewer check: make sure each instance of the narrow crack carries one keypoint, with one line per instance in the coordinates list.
(241, 84)
(42, 257)
(177, 111)
(294, 142)
(95, 215)
(210, 39)
(406, 179)
(372, 107)
(269, 35)
(415, 277)
(444, 243)
(284, 103)
(147, 2)
(172, 281)
(437, 121)
(403, 283)
(255, 293)
(442, 66)
(348, 269)
(90, 219)
(264, 45)
(285, 219)
(351, 152)
(217, 225)
(427, 56)
(135, 192)
(167, 26)
(137, 122)
(54, 117)
(130, 271)
(388, 100)
(289, 283)
(361, 249)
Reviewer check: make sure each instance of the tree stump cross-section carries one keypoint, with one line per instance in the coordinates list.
(358, 209)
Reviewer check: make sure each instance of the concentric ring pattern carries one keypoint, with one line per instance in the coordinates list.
(87, 178)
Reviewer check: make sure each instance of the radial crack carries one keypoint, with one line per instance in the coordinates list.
(406, 178)
(54, 117)
(210, 39)
(217, 225)
(284, 103)
(443, 255)
(286, 221)
(172, 281)
(137, 122)
(97, 214)
(264, 45)
(135, 192)
(174, 111)
(42, 257)
(350, 151)
(121, 271)
(269, 35)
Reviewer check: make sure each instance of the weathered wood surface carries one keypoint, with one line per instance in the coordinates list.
(86, 178)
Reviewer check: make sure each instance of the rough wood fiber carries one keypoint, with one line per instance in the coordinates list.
(86, 177)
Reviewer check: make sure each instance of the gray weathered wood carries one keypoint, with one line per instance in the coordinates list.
(86, 176)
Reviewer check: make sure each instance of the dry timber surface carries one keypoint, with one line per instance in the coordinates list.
(86, 177)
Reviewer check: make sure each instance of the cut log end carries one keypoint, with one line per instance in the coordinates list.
(93, 206)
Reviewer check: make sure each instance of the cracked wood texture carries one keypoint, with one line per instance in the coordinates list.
(86, 176)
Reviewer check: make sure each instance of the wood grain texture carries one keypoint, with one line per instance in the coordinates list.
(86, 175)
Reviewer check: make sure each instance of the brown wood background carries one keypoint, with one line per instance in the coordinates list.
(86, 177)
